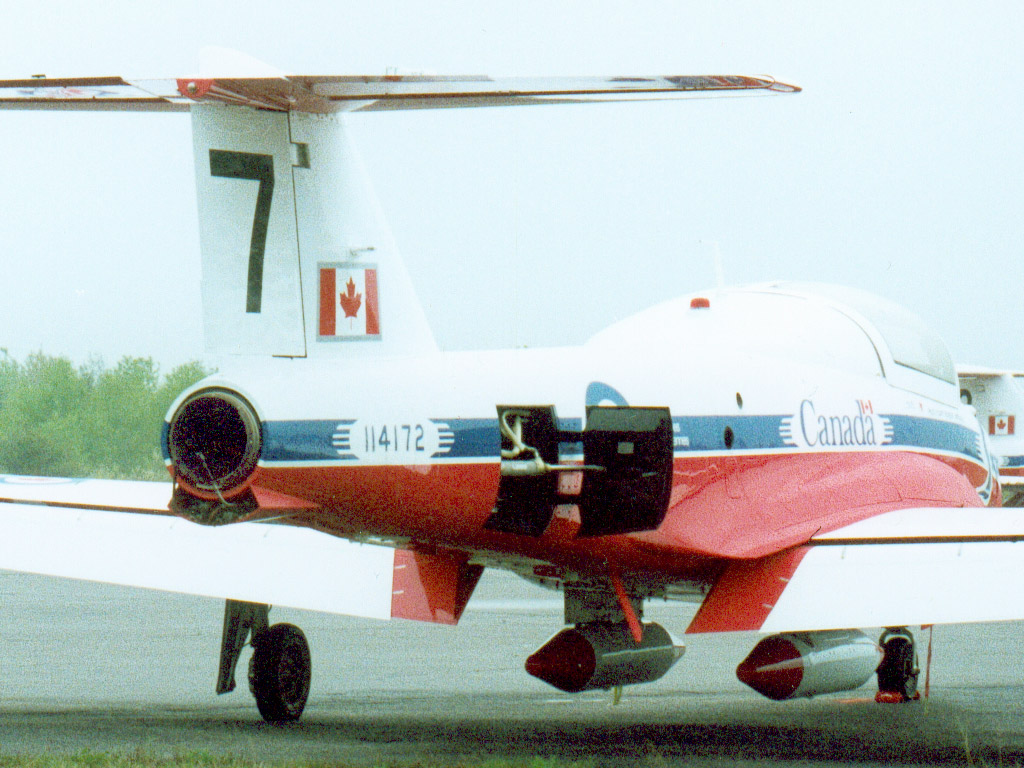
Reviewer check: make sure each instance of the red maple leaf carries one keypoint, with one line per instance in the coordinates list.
(351, 301)
(1001, 424)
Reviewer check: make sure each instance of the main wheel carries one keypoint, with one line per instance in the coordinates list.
(898, 671)
(279, 673)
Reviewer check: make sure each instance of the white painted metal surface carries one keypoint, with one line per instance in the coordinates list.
(934, 524)
(275, 564)
(339, 222)
(870, 585)
(228, 210)
(83, 492)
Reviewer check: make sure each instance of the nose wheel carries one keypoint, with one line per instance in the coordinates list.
(899, 670)
(279, 672)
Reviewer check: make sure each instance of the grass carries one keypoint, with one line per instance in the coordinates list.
(89, 759)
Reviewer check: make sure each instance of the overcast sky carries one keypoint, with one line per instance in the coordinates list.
(899, 169)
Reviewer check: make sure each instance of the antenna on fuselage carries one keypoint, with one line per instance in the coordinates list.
(716, 258)
(719, 271)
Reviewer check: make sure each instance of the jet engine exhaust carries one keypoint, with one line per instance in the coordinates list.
(602, 655)
(214, 442)
(810, 663)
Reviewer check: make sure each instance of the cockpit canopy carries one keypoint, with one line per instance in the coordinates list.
(815, 324)
(910, 341)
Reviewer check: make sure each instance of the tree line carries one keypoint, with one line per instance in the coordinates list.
(60, 420)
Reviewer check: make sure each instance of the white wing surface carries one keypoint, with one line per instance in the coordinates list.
(901, 568)
(79, 529)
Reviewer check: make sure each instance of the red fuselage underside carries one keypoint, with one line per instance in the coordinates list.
(722, 507)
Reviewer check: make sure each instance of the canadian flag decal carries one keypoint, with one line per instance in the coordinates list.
(349, 304)
(1000, 425)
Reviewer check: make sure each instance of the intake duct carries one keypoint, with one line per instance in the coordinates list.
(214, 441)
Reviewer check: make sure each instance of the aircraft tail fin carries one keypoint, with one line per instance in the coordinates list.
(998, 399)
(297, 260)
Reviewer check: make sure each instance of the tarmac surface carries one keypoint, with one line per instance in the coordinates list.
(88, 666)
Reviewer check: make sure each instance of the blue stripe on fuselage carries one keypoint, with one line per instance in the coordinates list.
(917, 432)
(479, 439)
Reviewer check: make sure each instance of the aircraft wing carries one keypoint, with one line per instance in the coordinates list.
(322, 94)
(79, 529)
(906, 567)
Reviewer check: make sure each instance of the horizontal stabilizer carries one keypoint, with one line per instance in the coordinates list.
(321, 94)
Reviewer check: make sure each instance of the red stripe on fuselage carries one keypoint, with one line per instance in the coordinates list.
(328, 312)
(372, 308)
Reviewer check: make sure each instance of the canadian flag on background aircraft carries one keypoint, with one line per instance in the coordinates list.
(349, 304)
(1000, 425)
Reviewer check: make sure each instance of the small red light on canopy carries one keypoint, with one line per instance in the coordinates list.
(700, 302)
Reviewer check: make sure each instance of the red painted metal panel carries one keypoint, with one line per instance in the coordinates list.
(431, 587)
(746, 592)
(328, 311)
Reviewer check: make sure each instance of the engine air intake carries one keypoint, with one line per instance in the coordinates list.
(214, 441)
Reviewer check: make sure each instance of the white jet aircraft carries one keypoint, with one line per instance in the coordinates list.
(800, 460)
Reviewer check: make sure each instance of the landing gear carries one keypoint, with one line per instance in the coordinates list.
(899, 670)
(280, 668)
(279, 673)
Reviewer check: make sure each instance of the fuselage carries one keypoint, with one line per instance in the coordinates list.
(793, 412)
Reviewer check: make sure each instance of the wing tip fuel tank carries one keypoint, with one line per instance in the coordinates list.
(602, 655)
(792, 665)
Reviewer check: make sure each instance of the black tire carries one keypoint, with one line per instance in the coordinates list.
(898, 671)
(279, 673)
